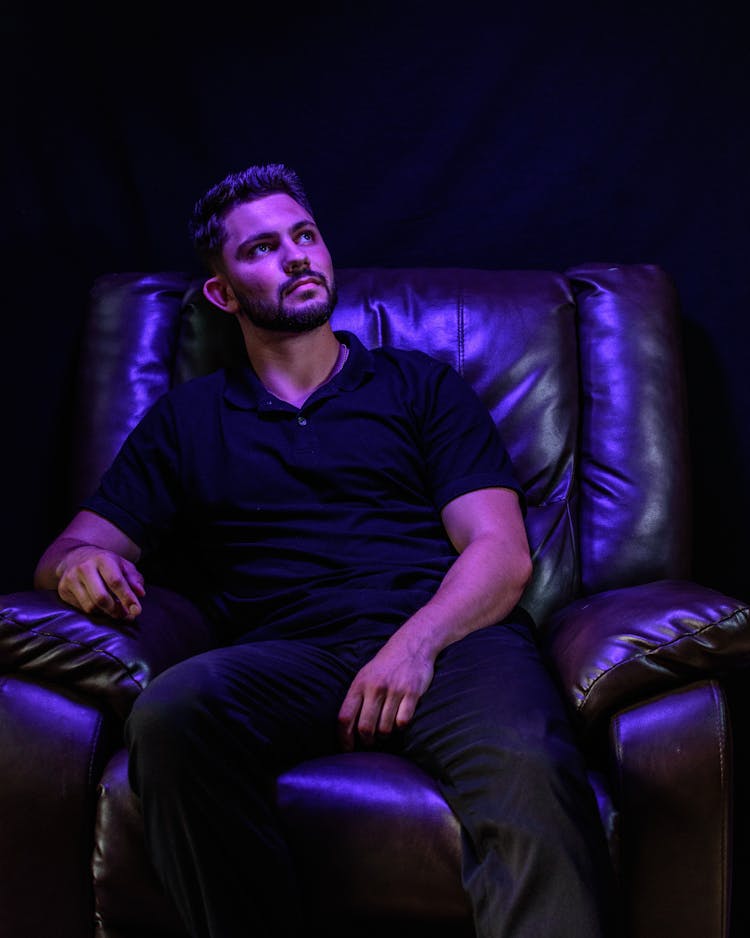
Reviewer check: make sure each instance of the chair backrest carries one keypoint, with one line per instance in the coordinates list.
(582, 372)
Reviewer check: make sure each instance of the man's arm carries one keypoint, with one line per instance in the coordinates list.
(92, 566)
(482, 586)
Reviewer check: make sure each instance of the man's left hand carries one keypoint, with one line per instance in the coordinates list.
(383, 695)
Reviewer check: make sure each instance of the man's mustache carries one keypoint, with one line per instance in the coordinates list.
(315, 275)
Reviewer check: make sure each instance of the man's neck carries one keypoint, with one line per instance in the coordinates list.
(293, 365)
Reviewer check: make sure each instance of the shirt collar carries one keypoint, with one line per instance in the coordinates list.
(244, 389)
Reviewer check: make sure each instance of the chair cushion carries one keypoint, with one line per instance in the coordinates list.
(373, 837)
(386, 813)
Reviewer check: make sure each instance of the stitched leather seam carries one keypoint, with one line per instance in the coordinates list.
(722, 733)
(60, 640)
(558, 500)
(461, 332)
(92, 749)
(657, 648)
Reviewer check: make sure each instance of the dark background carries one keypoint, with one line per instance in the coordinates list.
(535, 135)
(538, 135)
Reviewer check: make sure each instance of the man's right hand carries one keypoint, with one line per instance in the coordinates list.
(92, 566)
(99, 580)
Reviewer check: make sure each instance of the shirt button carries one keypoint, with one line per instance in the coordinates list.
(302, 421)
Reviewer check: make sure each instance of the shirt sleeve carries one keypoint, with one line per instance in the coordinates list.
(141, 491)
(463, 448)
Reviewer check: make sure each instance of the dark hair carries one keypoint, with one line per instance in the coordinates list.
(207, 222)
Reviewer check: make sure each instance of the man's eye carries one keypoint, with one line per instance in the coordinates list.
(258, 250)
(306, 237)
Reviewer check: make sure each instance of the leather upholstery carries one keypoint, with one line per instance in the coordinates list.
(582, 371)
(46, 638)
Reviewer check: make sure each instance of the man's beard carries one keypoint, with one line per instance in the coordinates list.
(275, 317)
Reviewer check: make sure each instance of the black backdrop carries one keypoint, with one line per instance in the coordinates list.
(537, 135)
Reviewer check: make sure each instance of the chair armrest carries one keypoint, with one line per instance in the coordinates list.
(618, 647)
(44, 638)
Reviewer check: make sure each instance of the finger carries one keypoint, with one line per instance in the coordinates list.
(134, 577)
(138, 589)
(406, 710)
(132, 610)
(133, 607)
(74, 592)
(388, 714)
(369, 717)
(347, 720)
(101, 597)
(92, 592)
(136, 583)
(87, 591)
(117, 580)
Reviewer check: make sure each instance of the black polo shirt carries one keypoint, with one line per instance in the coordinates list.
(306, 522)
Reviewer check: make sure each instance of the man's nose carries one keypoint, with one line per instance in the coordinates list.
(296, 260)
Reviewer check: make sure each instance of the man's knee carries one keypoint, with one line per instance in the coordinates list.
(526, 775)
(174, 714)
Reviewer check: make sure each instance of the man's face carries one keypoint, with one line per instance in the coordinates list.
(277, 265)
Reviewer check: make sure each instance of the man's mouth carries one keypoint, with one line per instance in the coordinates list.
(301, 282)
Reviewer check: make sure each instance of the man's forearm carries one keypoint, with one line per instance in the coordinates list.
(482, 586)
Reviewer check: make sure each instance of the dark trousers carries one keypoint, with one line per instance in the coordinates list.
(208, 736)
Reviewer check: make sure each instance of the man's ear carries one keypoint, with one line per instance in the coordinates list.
(217, 291)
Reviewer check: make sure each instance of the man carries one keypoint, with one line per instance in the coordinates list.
(354, 528)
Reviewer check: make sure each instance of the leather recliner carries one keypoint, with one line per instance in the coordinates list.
(583, 373)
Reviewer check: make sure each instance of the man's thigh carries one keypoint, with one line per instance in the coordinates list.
(492, 699)
(280, 698)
